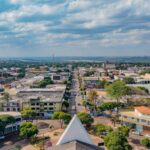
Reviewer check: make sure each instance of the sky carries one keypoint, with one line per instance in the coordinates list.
(74, 28)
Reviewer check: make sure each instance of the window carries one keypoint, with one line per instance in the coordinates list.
(45, 103)
(18, 119)
(142, 120)
(50, 108)
(50, 103)
(37, 103)
(32, 104)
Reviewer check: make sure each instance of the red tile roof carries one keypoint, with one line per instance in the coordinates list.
(143, 110)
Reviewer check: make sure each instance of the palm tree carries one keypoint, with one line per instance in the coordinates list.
(92, 95)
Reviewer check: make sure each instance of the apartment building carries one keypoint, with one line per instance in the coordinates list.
(44, 107)
(11, 105)
(139, 118)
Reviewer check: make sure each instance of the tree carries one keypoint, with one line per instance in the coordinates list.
(85, 118)
(65, 103)
(6, 96)
(115, 120)
(102, 84)
(129, 80)
(116, 141)
(28, 113)
(46, 81)
(84, 103)
(145, 142)
(144, 89)
(108, 106)
(4, 121)
(117, 90)
(63, 117)
(100, 128)
(125, 130)
(27, 130)
(92, 95)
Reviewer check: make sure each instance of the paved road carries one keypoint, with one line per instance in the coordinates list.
(75, 98)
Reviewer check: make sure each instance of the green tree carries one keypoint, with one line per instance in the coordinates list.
(145, 142)
(129, 80)
(28, 130)
(117, 90)
(28, 113)
(100, 128)
(85, 118)
(92, 95)
(125, 130)
(108, 106)
(116, 141)
(6, 96)
(101, 84)
(46, 81)
(4, 121)
(63, 117)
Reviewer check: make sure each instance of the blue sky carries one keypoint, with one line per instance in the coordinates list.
(74, 28)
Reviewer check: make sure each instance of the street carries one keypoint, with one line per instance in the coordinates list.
(75, 98)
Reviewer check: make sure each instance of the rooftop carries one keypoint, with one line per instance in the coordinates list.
(134, 115)
(11, 113)
(76, 145)
(143, 110)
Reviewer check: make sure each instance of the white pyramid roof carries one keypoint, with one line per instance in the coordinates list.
(75, 131)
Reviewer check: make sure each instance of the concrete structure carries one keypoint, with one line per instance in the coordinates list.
(75, 137)
(12, 127)
(139, 118)
(11, 105)
(44, 107)
(90, 82)
(54, 89)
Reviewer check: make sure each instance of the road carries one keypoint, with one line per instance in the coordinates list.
(75, 98)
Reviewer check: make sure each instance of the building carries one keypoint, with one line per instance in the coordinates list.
(11, 105)
(12, 127)
(60, 77)
(90, 82)
(73, 139)
(55, 89)
(139, 118)
(44, 107)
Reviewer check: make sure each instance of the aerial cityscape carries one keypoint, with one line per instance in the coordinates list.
(74, 75)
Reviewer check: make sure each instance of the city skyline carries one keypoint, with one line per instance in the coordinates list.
(74, 28)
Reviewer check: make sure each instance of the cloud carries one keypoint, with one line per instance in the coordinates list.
(76, 24)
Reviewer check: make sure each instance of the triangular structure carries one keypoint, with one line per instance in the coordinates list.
(75, 132)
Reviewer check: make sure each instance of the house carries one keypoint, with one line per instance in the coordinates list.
(75, 137)
(139, 118)
(14, 126)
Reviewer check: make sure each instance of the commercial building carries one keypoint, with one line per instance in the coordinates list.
(11, 105)
(10, 128)
(43, 101)
(139, 118)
